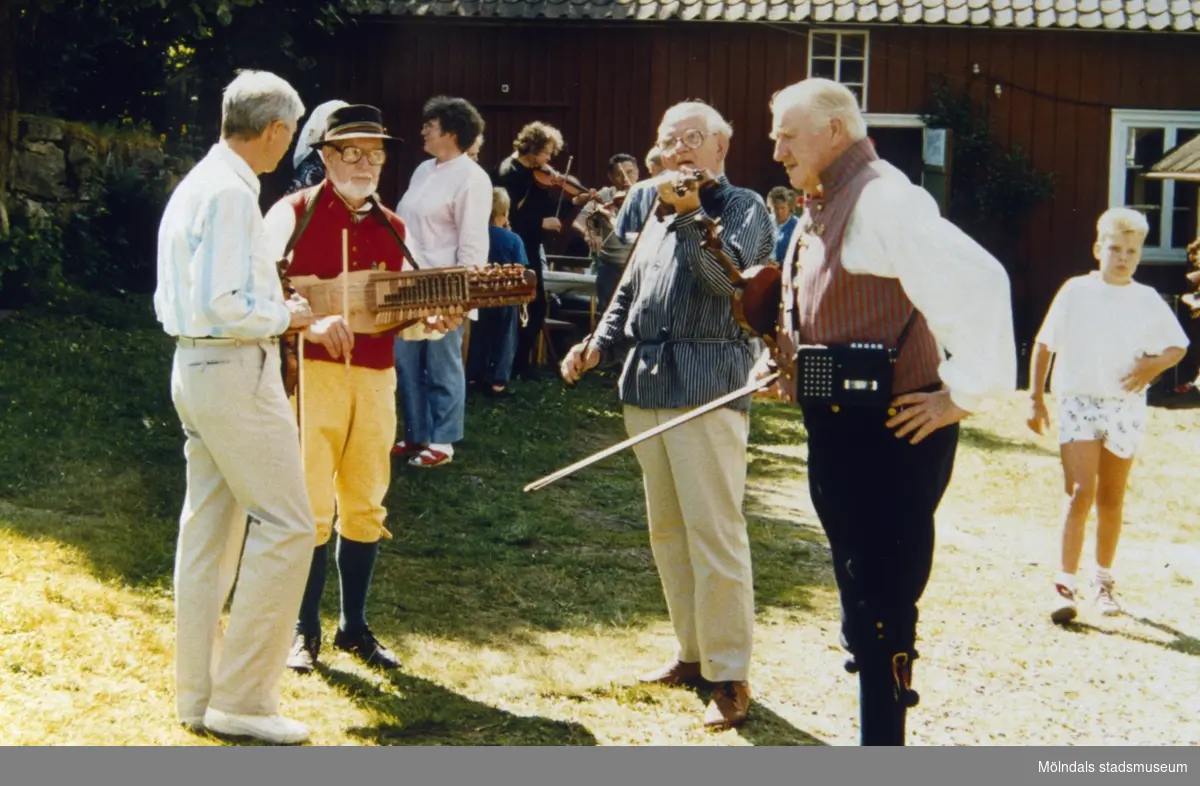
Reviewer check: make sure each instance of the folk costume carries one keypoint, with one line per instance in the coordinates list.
(876, 263)
(349, 420)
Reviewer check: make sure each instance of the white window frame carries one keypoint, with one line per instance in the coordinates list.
(1171, 122)
(837, 55)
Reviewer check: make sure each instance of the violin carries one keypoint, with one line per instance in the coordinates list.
(550, 178)
(683, 182)
(757, 292)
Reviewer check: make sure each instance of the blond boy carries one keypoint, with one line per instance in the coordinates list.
(1111, 337)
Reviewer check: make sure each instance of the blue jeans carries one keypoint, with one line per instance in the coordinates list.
(493, 346)
(432, 389)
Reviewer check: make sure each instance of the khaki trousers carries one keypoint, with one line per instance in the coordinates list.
(695, 479)
(243, 457)
(349, 424)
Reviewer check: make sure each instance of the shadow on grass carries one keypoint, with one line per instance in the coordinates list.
(93, 459)
(764, 728)
(414, 711)
(1183, 643)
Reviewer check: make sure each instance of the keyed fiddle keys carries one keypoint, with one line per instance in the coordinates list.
(385, 300)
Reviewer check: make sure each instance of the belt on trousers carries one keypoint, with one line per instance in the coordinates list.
(200, 343)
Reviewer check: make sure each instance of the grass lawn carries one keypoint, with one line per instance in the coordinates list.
(522, 619)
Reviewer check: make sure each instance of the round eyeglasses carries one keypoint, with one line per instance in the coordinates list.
(691, 139)
(352, 155)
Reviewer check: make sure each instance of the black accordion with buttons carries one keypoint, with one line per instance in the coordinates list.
(854, 374)
(858, 374)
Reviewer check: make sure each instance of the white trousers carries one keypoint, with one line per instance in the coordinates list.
(695, 479)
(243, 457)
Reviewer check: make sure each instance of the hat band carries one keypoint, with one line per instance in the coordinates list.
(350, 129)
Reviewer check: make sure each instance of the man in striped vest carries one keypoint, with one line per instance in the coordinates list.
(872, 258)
(673, 307)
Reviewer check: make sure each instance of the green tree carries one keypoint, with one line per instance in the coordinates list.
(146, 61)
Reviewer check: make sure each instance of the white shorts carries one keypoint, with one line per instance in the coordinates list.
(1119, 423)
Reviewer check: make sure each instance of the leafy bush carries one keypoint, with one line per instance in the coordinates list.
(109, 247)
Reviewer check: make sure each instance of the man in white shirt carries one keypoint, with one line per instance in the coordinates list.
(876, 263)
(219, 293)
(446, 210)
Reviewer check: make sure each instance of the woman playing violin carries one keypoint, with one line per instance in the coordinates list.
(535, 204)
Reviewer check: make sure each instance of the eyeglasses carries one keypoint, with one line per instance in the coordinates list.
(352, 155)
(691, 139)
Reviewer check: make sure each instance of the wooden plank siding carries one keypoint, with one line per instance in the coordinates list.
(606, 85)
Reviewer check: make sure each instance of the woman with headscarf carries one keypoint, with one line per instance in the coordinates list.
(309, 169)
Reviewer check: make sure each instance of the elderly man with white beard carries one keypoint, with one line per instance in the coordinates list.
(348, 419)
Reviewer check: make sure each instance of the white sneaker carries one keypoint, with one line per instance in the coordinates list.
(1064, 609)
(271, 728)
(1106, 599)
(193, 722)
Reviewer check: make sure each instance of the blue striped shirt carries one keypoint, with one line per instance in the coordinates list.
(216, 276)
(674, 305)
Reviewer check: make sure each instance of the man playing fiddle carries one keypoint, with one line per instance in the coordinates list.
(673, 305)
(595, 224)
(535, 203)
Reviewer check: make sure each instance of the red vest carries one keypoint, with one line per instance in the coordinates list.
(371, 247)
(837, 307)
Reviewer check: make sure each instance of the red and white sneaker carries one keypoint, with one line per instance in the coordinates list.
(431, 457)
(1064, 608)
(402, 449)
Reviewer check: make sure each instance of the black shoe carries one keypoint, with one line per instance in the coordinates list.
(366, 648)
(305, 649)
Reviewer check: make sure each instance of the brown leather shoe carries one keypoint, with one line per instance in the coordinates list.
(729, 705)
(675, 673)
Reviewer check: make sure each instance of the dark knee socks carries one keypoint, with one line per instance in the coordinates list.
(310, 606)
(356, 563)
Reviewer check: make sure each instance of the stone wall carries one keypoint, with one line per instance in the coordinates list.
(59, 167)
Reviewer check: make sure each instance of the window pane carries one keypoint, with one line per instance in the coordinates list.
(853, 44)
(1143, 149)
(824, 45)
(1183, 230)
(852, 71)
(824, 69)
(858, 93)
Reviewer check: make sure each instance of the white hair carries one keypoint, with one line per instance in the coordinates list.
(255, 99)
(714, 123)
(1118, 220)
(824, 100)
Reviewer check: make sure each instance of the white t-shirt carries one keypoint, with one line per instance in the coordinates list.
(1099, 330)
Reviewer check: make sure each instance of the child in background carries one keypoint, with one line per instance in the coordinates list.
(1111, 337)
(494, 336)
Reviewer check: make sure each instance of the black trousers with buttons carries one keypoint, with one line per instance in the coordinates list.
(876, 496)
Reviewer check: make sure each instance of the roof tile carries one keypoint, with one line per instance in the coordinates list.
(1171, 15)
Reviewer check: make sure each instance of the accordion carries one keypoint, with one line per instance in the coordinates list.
(847, 375)
(382, 300)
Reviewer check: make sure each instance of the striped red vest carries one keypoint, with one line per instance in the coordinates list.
(833, 306)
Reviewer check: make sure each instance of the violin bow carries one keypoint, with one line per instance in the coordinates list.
(679, 420)
(563, 188)
(587, 342)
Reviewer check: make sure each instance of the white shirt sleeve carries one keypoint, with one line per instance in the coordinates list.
(896, 231)
(1050, 333)
(472, 213)
(1164, 328)
(221, 268)
(280, 223)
